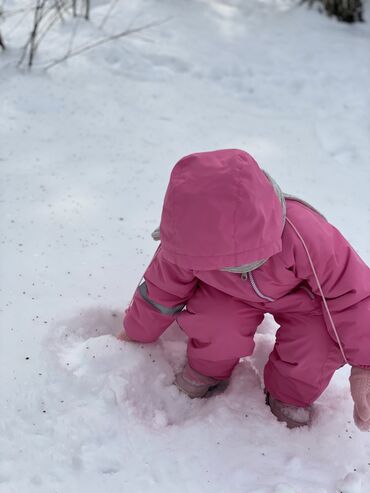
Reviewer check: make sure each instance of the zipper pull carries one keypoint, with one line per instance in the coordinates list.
(244, 276)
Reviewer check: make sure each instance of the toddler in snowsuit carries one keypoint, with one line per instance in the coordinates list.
(234, 247)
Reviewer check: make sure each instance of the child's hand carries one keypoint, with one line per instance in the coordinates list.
(360, 391)
(122, 336)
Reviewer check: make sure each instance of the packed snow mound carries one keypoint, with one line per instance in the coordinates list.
(119, 405)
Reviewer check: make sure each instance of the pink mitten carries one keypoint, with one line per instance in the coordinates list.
(360, 391)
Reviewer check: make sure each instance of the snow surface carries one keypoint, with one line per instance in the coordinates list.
(85, 154)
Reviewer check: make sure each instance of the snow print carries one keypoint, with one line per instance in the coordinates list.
(105, 420)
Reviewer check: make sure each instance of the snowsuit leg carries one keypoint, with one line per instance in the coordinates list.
(220, 329)
(303, 360)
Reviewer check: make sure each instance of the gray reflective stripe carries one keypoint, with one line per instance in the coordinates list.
(297, 199)
(256, 290)
(279, 193)
(163, 309)
(310, 293)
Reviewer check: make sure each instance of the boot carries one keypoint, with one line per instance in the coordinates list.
(293, 416)
(194, 384)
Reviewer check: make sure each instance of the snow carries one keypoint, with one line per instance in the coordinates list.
(85, 153)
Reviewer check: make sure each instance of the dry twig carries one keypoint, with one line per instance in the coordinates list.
(101, 41)
(2, 44)
(112, 6)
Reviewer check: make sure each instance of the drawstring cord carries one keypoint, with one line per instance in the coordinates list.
(156, 237)
(320, 289)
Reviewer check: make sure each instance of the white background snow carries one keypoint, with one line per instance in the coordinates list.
(85, 154)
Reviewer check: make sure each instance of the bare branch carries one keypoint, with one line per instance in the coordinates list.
(39, 12)
(46, 14)
(46, 29)
(59, 8)
(73, 35)
(10, 13)
(104, 40)
(112, 6)
(2, 44)
(87, 9)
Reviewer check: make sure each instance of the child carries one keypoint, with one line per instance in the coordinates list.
(234, 247)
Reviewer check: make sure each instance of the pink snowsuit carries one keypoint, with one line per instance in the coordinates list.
(220, 210)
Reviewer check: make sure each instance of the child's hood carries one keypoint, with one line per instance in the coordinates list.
(220, 210)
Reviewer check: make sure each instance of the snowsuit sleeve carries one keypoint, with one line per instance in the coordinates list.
(164, 293)
(344, 278)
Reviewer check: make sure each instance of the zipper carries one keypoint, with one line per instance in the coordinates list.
(310, 293)
(252, 281)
